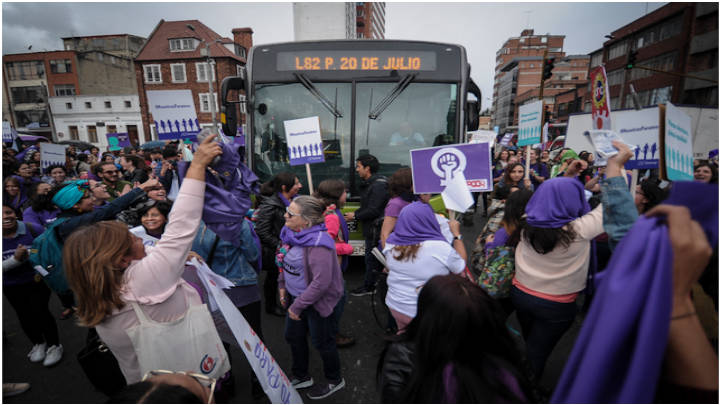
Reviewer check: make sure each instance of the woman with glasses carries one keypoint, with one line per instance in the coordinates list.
(311, 284)
(108, 268)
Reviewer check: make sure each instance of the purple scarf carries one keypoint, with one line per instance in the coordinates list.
(556, 203)
(617, 357)
(345, 236)
(283, 199)
(316, 235)
(415, 224)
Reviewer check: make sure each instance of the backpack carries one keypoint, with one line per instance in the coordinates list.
(498, 271)
(46, 252)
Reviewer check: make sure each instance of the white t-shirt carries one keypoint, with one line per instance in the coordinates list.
(434, 258)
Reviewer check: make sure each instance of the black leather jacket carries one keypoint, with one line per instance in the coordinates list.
(269, 220)
(394, 373)
(374, 196)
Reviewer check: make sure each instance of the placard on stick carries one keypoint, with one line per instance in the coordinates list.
(676, 137)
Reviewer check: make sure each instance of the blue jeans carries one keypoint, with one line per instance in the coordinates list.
(322, 336)
(372, 265)
(338, 311)
(543, 323)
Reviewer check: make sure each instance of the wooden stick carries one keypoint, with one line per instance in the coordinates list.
(309, 177)
(633, 182)
(527, 162)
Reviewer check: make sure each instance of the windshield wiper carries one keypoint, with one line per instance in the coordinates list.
(315, 92)
(385, 103)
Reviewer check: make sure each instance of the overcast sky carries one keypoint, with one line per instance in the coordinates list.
(481, 27)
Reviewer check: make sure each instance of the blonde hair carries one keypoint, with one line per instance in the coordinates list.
(406, 253)
(90, 259)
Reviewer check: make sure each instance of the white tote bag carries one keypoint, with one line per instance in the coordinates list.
(190, 343)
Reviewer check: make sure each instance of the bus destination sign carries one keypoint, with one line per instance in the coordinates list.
(356, 60)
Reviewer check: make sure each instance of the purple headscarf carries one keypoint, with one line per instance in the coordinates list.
(283, 199)
(316, 235)
(617, 358)
(416, 223)
(556, 203)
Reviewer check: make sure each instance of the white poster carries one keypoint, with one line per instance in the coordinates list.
(530, 123)
(51, 154)
(482, 136)
(174, 114)
(304, 141)
(7, 132)
(678, 144)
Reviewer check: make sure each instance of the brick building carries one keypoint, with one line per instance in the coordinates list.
(173, 59)
(518, 69)
(370, 20)
(678, 37)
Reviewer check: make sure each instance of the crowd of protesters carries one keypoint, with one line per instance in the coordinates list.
(558, 230)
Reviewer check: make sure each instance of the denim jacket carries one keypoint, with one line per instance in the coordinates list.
(230, 261)
(619, 211)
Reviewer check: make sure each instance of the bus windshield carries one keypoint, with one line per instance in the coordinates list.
(422, 115)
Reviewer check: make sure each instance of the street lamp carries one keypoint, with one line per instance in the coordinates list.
(211, 69)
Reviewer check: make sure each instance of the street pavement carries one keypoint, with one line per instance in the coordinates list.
(66, 382)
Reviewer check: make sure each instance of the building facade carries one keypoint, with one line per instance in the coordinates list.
(174, 58)
(317, 21)
(521, 58)
(90, 118)
(370, 21)
(680, 38)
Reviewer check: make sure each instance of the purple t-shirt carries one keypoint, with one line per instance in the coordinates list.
(294, 271)
(394, 206)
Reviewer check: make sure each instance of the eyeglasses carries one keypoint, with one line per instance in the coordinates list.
(292, 214)
(205, 381)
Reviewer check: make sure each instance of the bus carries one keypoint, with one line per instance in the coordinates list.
(378, 97)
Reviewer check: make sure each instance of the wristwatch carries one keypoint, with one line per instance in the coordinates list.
(457, 237)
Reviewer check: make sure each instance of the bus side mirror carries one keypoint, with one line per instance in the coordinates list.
(472, 114)
(228, 109)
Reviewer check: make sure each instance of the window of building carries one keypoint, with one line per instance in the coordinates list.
(178, 72)
(128, 104)
(182, 44)
(152, 74)
(204, 99)
(532, 65)
(88, 105)
(615, 77)
(64, 89)
(240, 71)
(202, 71)
(596, 59)
(617, 50)
(92, 133)
(98, 43)
(113, 60)
(243, 104)
(27, 95)
(240, 51)
(664, 62)
(73, 132)
(615, 103)
(68, 106)
(25, 70)
(61, 66)
(543, 40)
(108, 104)
(112, 129)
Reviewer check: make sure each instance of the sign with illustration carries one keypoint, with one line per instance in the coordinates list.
(433, 168)
(530, 123)
(505, 141)
(174, 114)
(52, 154)
(600, 99)
(304, 142)
(118, 140)
(678, 144)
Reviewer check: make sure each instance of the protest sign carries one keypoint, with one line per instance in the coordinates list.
(433, 168)
(505, 141)
(52, 154)
(600, 99)
(457, 196)
(304, 142)
(271, 377)
(118, 140)
(482, 136)
(8, 135)
(530, 123)
(174, 114)
(677, 143)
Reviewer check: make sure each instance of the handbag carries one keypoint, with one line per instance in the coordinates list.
(100, 366)
(190, 343)
(498, 271)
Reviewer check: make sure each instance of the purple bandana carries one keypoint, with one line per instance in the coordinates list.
(416, 223)
(314, 236)
(283, 199)
(556, 203)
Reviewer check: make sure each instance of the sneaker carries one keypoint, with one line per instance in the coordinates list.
(321, 391)
(360, 291)
(299, 383)
(53, 356)
(37, 354)
(12, 389)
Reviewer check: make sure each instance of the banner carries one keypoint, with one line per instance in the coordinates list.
(678, 144)
(530, 123)
(304, 142)
(433, 168)
(174, 114)
(600, 99)
(273, 380)
(52, 154)
(118, 140)
(506, 139)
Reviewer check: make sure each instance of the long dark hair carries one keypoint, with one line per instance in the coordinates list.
(460, 326)
(275, 185)
(506, 174)
(544, 240)
(400, 184)
(513, 220)
(40, 202)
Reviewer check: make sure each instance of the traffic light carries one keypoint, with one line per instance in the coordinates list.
(631, 60)
(548, 65)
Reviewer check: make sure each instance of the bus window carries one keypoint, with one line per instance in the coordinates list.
(423, 115)
(276, 103)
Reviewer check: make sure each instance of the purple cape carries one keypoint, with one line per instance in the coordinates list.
(314, 236)
(415, 224)
(617, 357)
(556, 203)
(227, 195)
